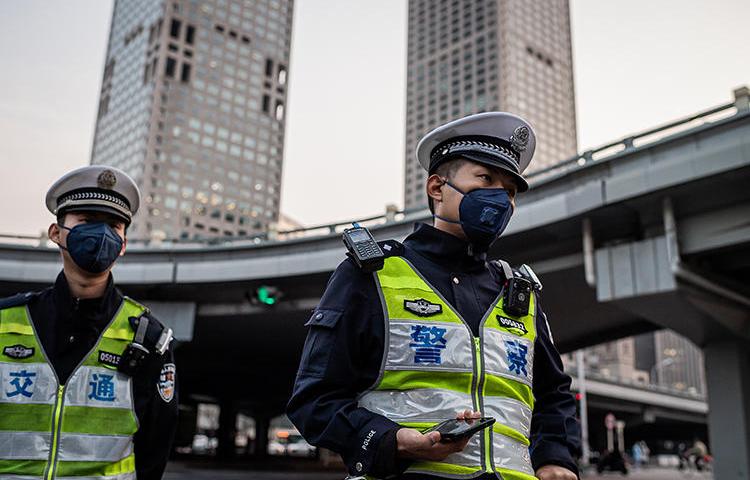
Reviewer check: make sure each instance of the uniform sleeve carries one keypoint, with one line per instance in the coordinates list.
(555, 430)
(341, 359)
(156, 406)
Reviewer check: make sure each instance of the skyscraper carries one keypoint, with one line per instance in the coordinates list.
(662, 358)
(192, 107)
(470, 56)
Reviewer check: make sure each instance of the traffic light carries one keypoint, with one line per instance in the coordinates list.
(267, 295)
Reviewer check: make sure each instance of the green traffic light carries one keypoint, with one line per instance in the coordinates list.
(266, 296)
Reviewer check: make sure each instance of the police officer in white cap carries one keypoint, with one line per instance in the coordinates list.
(440, 332)
(88, 373)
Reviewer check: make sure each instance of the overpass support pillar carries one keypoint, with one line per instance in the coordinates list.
(262, 426)
(728, 381)
(227, 430)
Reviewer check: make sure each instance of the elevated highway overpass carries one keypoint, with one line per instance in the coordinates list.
(649, 232)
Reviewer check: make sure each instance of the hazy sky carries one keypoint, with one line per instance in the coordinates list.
(637, 63)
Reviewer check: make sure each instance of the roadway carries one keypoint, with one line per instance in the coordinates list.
(181, 471)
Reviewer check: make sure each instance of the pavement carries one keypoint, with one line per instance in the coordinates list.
(651, 473)
(292, 469)
(192, 471)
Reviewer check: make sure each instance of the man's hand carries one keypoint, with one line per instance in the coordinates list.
(554, 472)
(414, 445)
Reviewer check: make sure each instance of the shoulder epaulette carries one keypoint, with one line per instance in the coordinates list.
(391, 248)
(504, 270)
(527, 273)
(17, 300)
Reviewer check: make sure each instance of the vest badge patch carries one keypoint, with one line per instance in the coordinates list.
(422, 307)
(511, 325)
(19, 352)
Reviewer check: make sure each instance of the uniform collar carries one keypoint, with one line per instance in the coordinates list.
(443, 248)
(95, 308)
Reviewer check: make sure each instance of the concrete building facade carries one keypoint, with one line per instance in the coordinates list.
(470, 56)
(192, 106)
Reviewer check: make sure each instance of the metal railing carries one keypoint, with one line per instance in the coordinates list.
(594, 374)
(582, 160)
(17, 239)
(634, 142)
(270, 236)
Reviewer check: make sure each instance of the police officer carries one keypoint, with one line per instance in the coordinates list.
(88, 378)
(432, 336)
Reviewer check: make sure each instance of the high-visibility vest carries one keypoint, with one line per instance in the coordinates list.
(81, 429)
(433, 367)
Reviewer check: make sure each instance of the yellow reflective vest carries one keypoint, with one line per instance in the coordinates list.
(83, 428)
(433, 367)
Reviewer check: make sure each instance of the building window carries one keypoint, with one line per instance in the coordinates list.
(170, 67)
(185, 77)
(190, 34)
(174, 28)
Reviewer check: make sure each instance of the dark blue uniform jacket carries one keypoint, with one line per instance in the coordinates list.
(344, 348)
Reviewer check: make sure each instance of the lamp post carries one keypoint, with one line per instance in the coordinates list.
(581, 367)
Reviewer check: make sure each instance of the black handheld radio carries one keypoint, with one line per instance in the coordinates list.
(363, 248)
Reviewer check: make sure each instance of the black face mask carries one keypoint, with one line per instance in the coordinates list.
(483, 214)
(94, 247)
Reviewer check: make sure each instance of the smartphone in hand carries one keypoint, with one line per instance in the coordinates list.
(454, 430)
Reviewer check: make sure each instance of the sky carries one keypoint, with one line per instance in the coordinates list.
(637, 64)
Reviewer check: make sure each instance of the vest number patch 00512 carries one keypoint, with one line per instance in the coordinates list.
(19, 352)
(511, 324)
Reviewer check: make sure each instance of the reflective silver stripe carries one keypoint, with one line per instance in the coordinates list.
(25, 445)
(85, 388)
(419, 405)
(510, 454)
(94, 448)
(21, 379)
(496, 352)
(509, 412)
(471, 456)
(122, 476)
(457, 356)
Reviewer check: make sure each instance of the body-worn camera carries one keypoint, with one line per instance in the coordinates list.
(135, 353)
(132, 358)
(517, 296)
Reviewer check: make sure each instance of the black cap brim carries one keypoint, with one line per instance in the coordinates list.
(521, 184)
(96, 208)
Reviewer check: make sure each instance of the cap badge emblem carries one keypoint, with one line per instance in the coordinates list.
(106, 179)
(520, 138)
